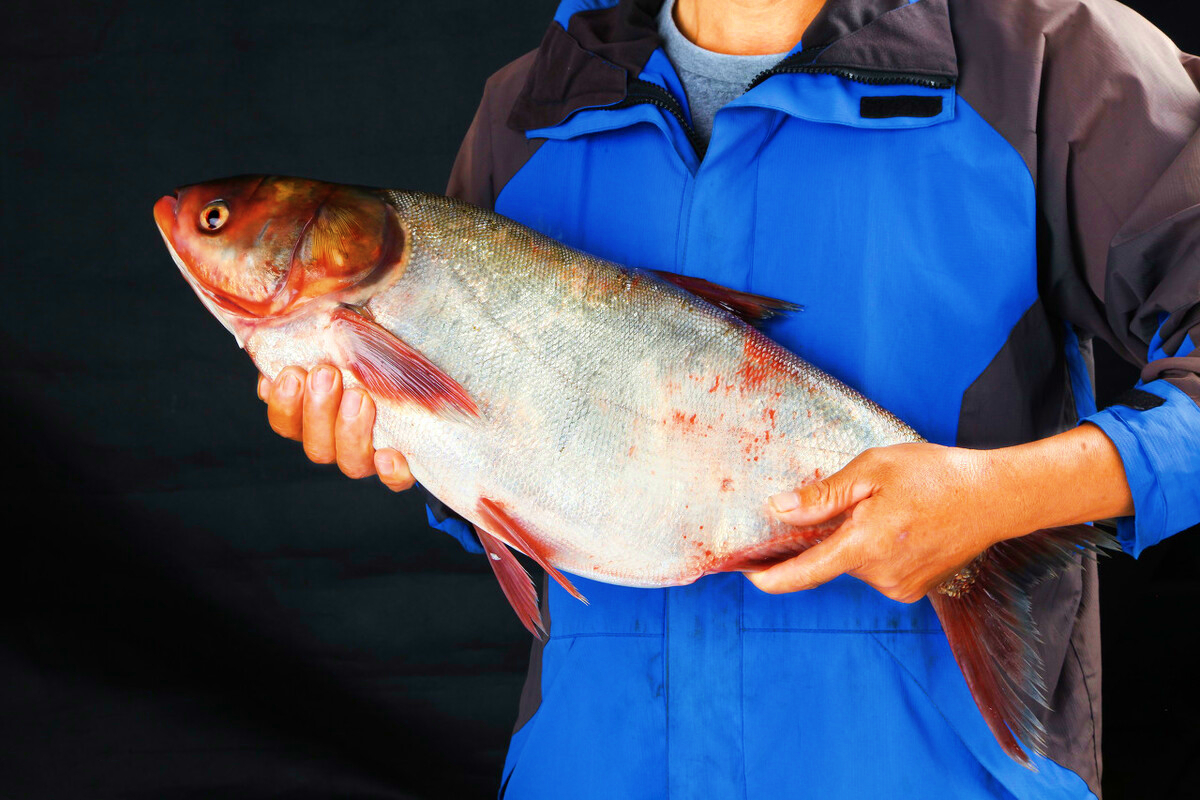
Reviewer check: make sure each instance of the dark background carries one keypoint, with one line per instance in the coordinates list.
(190, 608)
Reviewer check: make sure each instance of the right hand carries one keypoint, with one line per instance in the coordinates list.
(333, 425)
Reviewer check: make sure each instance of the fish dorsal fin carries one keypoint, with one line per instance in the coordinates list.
(502, 525)
(514, 582)
(389, 367)
(752, 308)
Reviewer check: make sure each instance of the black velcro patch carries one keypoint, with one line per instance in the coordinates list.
(903, 105)
(1139, 400)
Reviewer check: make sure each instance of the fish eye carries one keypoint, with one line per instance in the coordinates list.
(213, 216)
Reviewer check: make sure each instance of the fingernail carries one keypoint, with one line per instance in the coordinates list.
(290, 386)
(322, 379)
(351, 403)
(784, 501)
(384, 465)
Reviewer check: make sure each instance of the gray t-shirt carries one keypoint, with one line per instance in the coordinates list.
(709, 79)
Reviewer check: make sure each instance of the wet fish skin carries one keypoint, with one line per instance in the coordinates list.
(594, 416)
(640, 391)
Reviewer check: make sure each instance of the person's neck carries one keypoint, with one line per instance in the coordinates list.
(745, 27)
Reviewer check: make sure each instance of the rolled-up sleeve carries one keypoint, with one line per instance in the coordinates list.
(1159, 451)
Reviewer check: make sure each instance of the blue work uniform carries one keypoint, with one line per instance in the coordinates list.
(962, 195)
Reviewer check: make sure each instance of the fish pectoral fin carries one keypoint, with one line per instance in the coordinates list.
(752, 308)
(512, 531)
(389, 367)
(514, 582)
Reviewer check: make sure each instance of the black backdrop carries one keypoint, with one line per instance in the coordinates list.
(190, 608)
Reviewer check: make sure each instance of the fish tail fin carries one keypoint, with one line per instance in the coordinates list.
(987, 615)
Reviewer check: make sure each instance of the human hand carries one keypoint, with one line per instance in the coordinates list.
(918, 513)
(333, 425)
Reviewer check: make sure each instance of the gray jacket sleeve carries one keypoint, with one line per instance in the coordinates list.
(1119, 187)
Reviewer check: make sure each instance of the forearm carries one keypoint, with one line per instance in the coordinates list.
(1073, 477)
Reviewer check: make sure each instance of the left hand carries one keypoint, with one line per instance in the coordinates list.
(917, 513)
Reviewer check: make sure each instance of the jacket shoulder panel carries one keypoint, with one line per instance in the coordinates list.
(492, 152)
(1011, 54)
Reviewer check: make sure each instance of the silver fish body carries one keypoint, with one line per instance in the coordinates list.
(598, 418)
(633, 428)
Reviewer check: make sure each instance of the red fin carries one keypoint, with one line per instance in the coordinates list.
(514, 582)
(753, 308)
(503, 525)
(390, 368)
(992, 633)
(780, 548)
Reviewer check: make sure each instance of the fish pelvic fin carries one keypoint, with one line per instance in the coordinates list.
(389, 367)
(498, 531)
(514, 582)
(986, 612)
(504, 526)
(789, 544)
(754, 309)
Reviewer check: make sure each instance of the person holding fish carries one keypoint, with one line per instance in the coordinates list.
(962, 196)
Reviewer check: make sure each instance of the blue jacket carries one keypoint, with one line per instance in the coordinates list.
(962, 195)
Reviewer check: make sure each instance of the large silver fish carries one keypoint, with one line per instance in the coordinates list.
(606, 421)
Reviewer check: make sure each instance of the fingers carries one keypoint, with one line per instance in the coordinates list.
(322, 398)
(285, 403)
(823, 500)
(334, 425)
(356, 455)
(393, 470)
(819, 564)
(352, 434)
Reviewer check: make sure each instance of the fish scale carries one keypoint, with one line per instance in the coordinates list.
(601, 419)
(628, 383)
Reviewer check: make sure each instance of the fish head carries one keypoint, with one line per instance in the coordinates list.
(258, 248)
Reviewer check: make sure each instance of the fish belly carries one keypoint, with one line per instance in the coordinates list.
(633, 429)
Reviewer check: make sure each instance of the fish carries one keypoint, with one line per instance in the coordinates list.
(607, 421)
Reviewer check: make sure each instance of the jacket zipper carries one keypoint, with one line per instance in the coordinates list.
(872, 77)
(802, 62)
(640, 91)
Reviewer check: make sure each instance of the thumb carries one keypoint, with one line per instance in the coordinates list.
(818, 564)
(821, 501)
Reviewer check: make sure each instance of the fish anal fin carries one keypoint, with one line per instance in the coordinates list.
(507, 527)
(514, 582)
(389, 367)
(752, 308)
(790, 543)
(986, 613)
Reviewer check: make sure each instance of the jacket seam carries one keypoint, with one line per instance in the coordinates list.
(868, 631)
(867, 27)
(1091, 710)
(742, 668)
(596, 635)
(912, 678)
(666, 661)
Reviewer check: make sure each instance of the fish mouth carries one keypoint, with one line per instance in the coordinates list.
(164, 218)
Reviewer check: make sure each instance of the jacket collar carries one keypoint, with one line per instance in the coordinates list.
(594, 47)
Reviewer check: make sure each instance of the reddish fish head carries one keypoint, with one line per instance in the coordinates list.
(257, 247)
